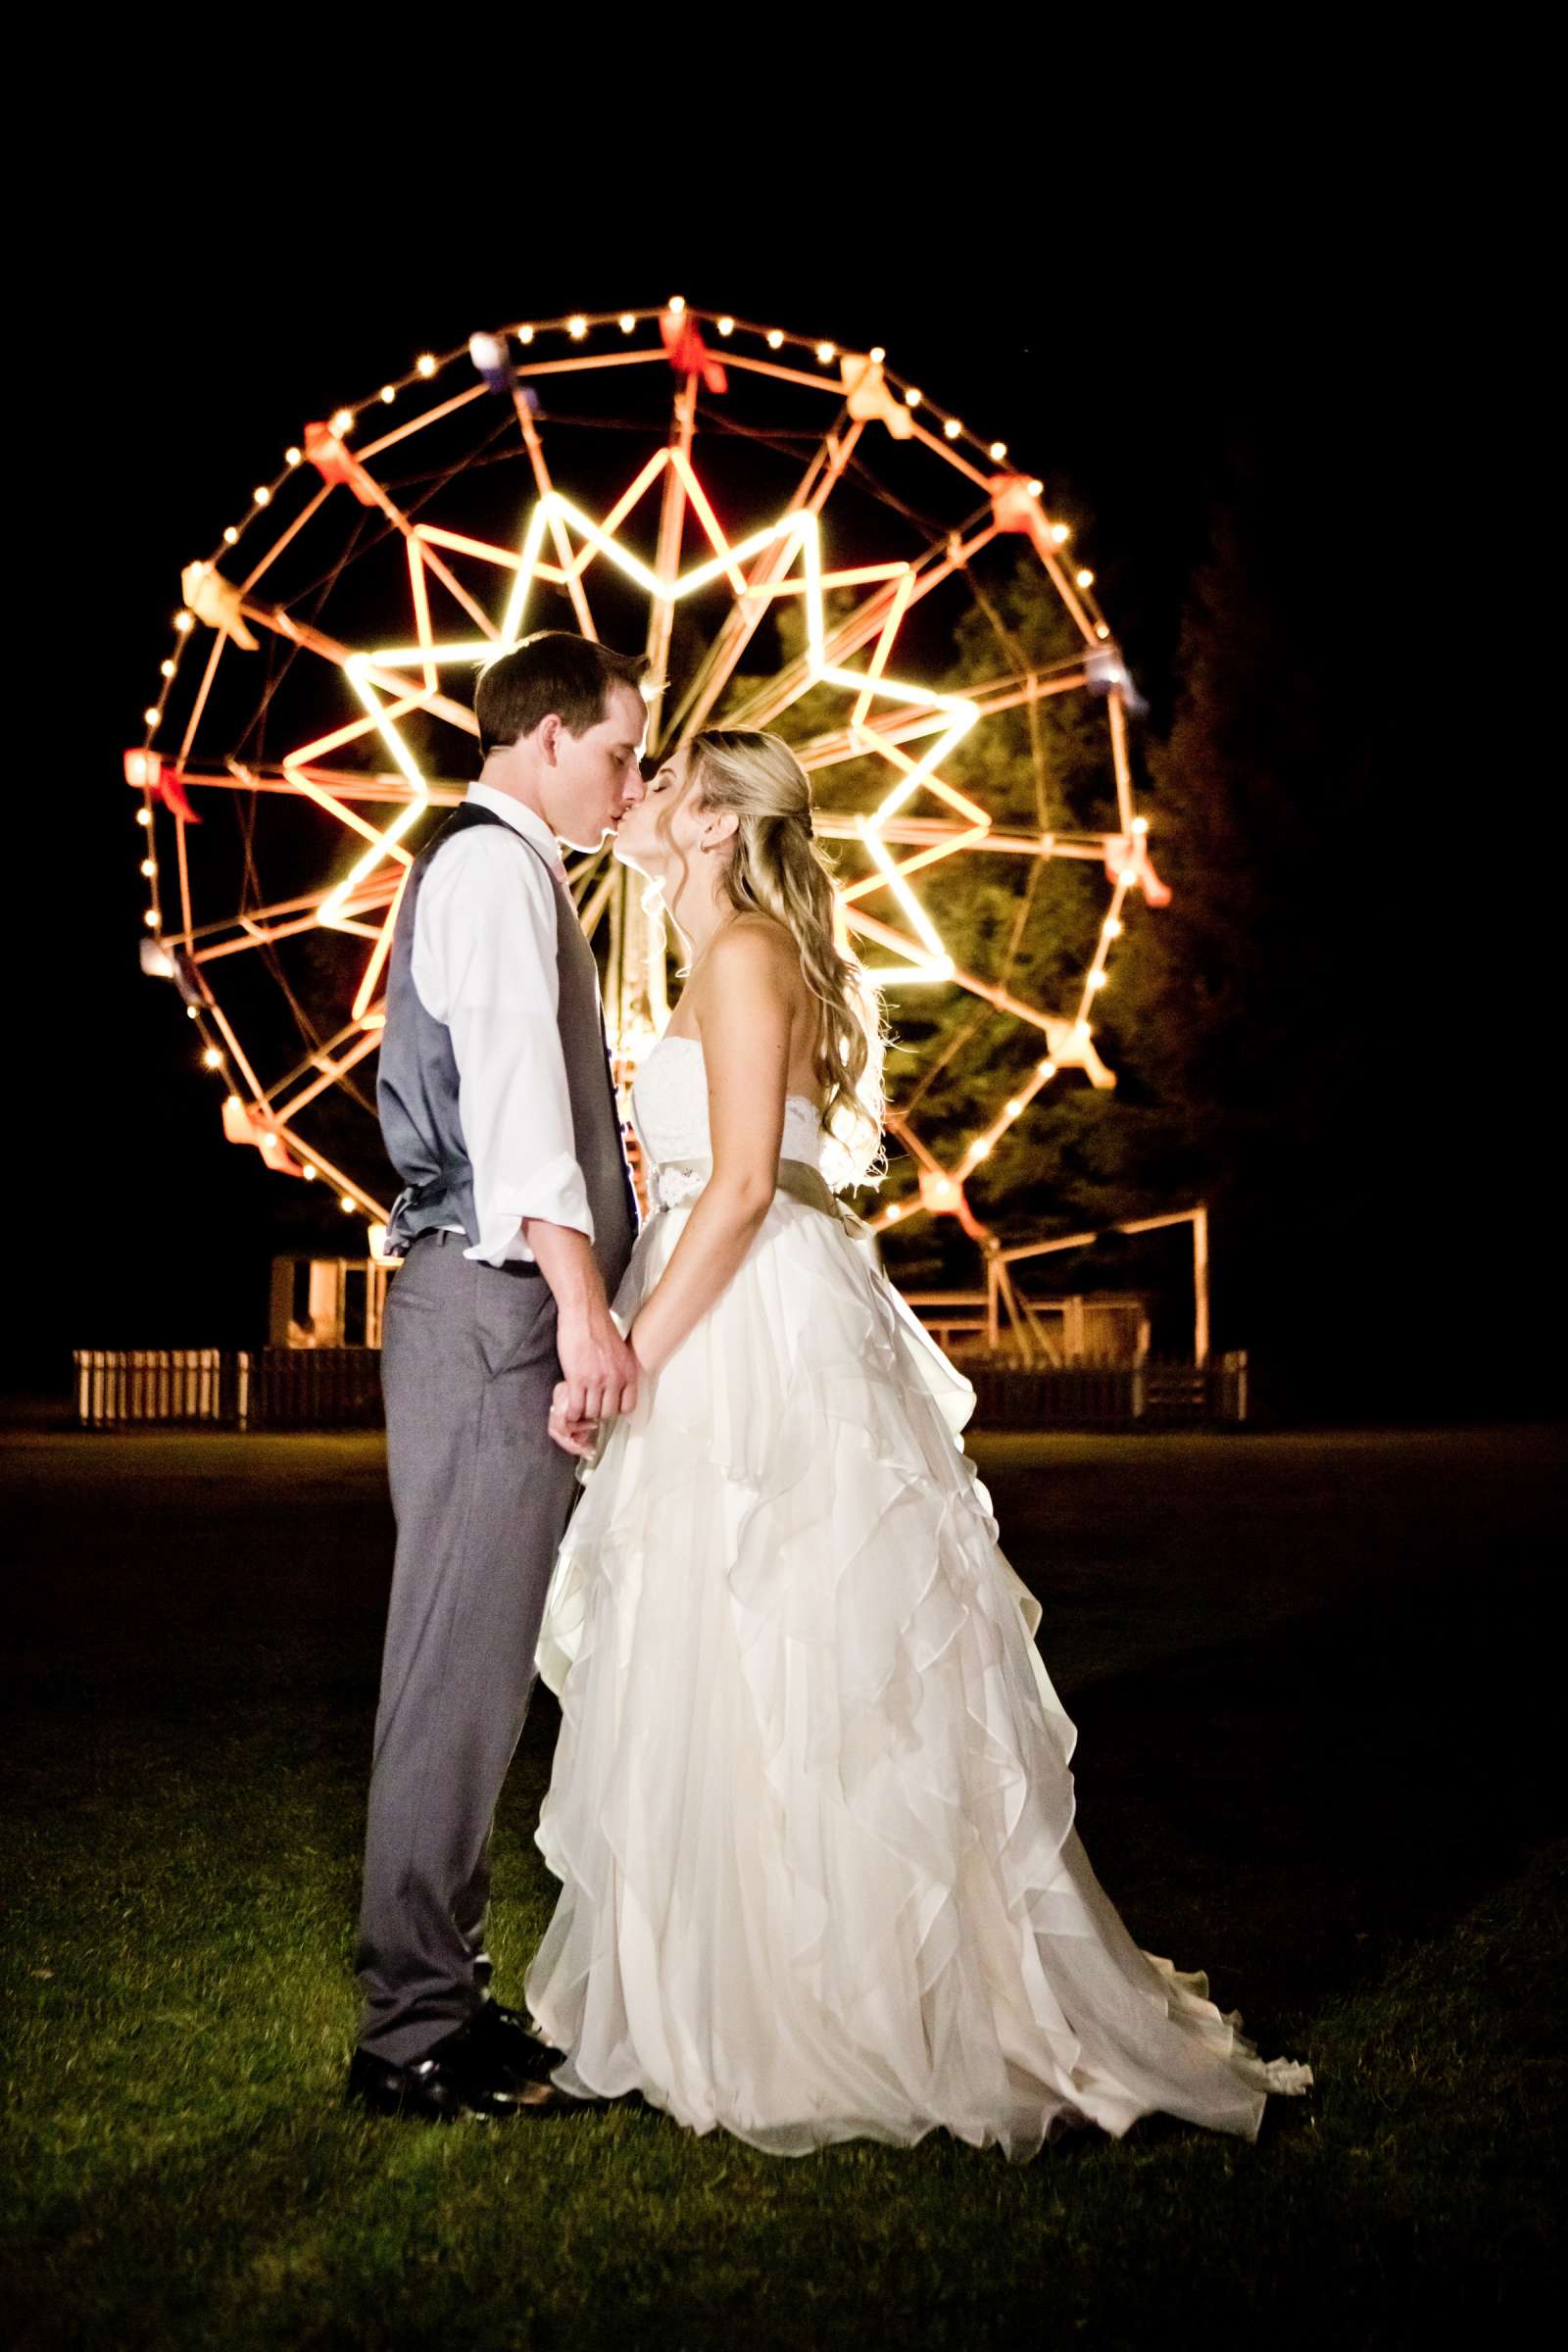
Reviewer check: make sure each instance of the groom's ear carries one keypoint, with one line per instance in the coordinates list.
(547, 735)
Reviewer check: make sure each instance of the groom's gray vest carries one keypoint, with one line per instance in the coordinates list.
(416, 1089)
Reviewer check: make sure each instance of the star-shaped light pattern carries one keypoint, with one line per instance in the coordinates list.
(400, 704)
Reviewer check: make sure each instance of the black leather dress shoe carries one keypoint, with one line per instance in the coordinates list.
(506, 2035)
(452, 2083)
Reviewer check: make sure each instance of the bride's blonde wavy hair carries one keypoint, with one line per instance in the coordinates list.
(776, 869)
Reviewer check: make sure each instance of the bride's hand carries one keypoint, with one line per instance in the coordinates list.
(572, 1437)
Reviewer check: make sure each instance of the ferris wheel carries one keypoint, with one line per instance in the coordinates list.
(799, 538)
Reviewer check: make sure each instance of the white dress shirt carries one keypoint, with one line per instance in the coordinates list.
(484, 964)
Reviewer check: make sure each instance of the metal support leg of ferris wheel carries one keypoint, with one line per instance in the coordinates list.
(1001, 1297)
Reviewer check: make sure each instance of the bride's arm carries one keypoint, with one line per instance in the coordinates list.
(743, 1014)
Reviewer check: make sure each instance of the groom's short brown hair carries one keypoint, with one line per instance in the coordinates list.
(550, 671)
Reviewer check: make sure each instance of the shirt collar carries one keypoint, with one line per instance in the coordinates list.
(523, 820)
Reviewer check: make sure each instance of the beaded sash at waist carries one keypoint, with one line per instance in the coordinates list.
(676, 1182)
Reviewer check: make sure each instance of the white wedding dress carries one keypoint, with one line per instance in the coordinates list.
(810, 1806)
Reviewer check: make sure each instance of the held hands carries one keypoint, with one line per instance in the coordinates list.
(599, 1377)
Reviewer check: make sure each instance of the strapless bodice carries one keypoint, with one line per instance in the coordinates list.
(669, 1110)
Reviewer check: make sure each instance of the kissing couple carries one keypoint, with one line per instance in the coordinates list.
(811, 1809)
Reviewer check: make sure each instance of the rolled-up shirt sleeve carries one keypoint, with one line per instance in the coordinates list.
(484, 963)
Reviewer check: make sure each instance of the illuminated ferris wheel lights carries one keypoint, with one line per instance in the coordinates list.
(912, 398)
(307, 1172)
(1101, 630)
(151, 715)
(148, 869)
(677, 302)
(184, 623)
(877, 355)
(389, 393)
(726, 325)
(1014, 1110)
(193, 1012)
(345, 1201)
(1140, 825)
(1062, 532)
(1047, 1069)
(577, 326)
(262, 495)
(293, 456)
(1036, 485)
(774, 338)
(526, 334)
(999, 450)
(1099, 979)
(165, 670)
(342, 421)
(953, 428)
(426, 362)
(826, 352)
(230, 536)
(212, 1058)
(1084, 577)
(628, 322)
(144, 816)
(150, 919)
(1081, 1029)
(1111, 927)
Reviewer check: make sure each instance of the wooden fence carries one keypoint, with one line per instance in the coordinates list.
(340, 1388)
(265, 1387)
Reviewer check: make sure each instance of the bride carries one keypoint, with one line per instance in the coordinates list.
(811, 1808)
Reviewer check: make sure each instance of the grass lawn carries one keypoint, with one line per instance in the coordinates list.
(1318, 1708)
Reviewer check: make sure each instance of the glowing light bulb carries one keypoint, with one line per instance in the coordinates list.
(426, 362)
(193, 1012)
(980, 1150)
(877, 355)
(677, 302)
(628, 322)
(999, 450)
(895, 1213)
(1062, 532)
(212, 1058)
(233, 1104)
(726, 325)
(230, 536)
(309, 1173)
(292, 455)
(774, 338)
(1047, 1069)
(1014, 1109)
(912, 398)
(262, 495)
(268, 1143)
(389, 393)
(150, 919)
(578, 327)
(151, 715)
(1080, 1028)
(1097, 979)
(184, 623)
(1111, 927)
(144, 816)
(526, 334)
(346, 1203)
(342, 421)
(1036, 485)
(953, 428)
(149, 868)
(165, 670)
(826, 352)
(1100, 629)
(1140, 825)
(1083, 576)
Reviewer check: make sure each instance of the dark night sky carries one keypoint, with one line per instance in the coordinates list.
(1244, 315)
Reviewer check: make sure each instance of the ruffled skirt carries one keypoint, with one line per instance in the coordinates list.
(811, 1808)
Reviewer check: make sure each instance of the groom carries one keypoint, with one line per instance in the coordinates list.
(515, 1224)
